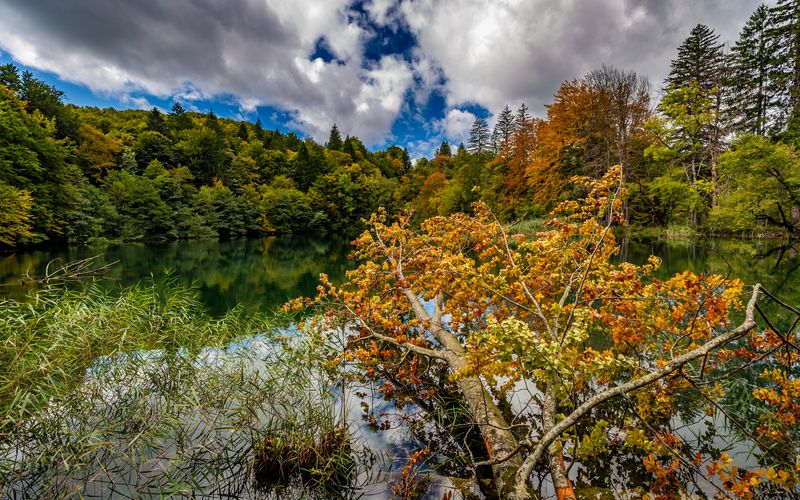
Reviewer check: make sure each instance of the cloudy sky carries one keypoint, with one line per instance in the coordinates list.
(408, 72)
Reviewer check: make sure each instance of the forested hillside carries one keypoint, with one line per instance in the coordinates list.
(717, 153)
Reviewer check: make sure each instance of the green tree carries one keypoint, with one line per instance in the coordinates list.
(156, 122)
(15, 214)
(152, 145)
(444, 149)
(751, 100)
(9, 77)
(761, 187)
(179, 119)
(784, 36)
(700, 60)
(334, 139)
(504, 129)
(700, 67)
(204, 151)
(688, 113)
(479, 136)
(307, 165)
(522, 121)
(142, 214)
(47, 99)
(243, 133)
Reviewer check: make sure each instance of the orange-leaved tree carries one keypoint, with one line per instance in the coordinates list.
(528, 337)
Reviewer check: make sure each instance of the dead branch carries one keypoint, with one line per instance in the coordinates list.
(57, 272)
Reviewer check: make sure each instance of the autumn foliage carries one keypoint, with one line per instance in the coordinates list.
(537, 338)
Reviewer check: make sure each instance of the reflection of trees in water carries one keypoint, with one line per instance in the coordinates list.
(774, 264)
(256, 273)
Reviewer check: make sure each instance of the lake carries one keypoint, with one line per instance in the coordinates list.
(261, 274)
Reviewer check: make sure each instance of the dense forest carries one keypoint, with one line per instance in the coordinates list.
(717, 154)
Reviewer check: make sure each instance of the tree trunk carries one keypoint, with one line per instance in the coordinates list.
(500, 442)
(555, 456)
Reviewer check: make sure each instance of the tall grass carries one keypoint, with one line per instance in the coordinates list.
(142, 393)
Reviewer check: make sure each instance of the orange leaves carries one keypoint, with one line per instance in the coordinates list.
(739, 483)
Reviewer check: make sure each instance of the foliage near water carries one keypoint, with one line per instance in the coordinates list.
(141, 392)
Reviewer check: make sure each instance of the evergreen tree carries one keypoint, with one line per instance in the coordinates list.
(700, 60)
(523, 119)
(750, 101)
(479, 136)
(213, 123)
(243, 133)
(179, 118)
(335, 139)
(444, 149)
(784, 34)
(9, 77)
(495, 142)
(504, 128)
(155, 121)
(259, 129)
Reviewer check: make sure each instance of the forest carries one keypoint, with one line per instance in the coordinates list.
(716, 154)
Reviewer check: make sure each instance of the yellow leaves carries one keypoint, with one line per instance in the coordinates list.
(739, 483)
(595, 442)
(779, 477)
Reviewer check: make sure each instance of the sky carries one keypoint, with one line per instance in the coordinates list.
(405, 72)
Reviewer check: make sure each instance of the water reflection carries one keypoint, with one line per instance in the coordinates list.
(773, 263)
(254, 273)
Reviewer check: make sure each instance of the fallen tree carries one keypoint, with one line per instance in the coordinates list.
(534, 335)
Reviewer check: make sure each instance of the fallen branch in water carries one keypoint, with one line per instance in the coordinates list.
(70, 271)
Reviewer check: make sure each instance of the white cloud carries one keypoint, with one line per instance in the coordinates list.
(485, 52)
(497, 52)
(137, 102)
(455, 125)
(257, 52)
(380, 11)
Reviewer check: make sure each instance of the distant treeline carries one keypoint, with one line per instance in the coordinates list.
(717, 153)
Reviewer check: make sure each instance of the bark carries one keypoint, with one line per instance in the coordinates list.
(501, 444)
(555, 455)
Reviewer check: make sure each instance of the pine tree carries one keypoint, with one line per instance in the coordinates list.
(523, 120)
(259, 129)
(784, 34)
(155, 121)
(479, 136)
(335, 139)
(750, 100)
(504, 128)
(213, 123)
(700, 59)
(9, 77)
(444, 149)
(179, 118)
(243, 134)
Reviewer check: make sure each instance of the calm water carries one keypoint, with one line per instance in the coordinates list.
(256, 273)
(264, 273)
